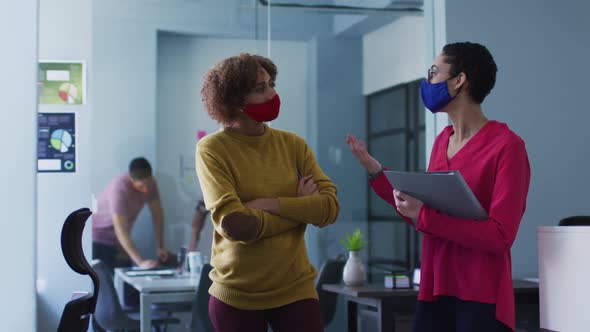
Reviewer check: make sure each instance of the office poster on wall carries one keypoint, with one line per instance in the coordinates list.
(56, 143)
(61, 83)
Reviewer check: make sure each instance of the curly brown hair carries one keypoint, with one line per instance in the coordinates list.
(226, 85)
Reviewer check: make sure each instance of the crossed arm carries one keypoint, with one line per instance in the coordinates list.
(266, 217)
(232, 219)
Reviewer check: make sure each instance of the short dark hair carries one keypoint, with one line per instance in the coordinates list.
(478, 65)
(140, 168)
(226, 85)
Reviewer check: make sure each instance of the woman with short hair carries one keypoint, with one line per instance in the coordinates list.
(466, 272)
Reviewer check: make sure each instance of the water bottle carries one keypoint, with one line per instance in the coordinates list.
(181, 260)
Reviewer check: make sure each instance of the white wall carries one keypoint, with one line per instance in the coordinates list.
(361, 24)
(18, 92)
(541, 49)
(123, 82)
(182, 63)
(64, 34)
(394, 54)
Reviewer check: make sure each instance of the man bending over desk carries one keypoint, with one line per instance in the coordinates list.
(118, 207)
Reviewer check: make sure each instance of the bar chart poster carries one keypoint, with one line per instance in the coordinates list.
(61, 83)
(56, 143)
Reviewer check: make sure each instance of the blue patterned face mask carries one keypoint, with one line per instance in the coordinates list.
(435, 96)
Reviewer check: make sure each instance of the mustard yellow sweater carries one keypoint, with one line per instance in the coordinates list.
(273, 270)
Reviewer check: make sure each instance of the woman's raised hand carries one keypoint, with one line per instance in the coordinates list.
(359, 149)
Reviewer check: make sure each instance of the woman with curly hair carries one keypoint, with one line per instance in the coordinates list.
(263, 187)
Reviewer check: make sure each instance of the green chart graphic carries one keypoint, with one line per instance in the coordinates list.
(61, 140)
(61, 83)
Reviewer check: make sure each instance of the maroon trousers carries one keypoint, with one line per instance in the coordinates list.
(304, 315)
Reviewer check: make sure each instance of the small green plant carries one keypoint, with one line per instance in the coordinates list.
(354, 242)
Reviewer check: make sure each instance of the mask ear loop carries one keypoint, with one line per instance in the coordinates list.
(460, 88)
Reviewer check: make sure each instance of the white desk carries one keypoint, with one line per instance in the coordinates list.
(157, 290)
(564, 289)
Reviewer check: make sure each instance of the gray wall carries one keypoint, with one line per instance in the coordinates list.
(541, 49)
(394, 54)
(18, 92)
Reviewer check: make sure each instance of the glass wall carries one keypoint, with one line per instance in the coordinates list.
(144, 63)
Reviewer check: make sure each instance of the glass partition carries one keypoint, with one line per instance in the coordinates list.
(144, 62)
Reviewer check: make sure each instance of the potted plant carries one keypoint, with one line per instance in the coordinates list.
(354, 270)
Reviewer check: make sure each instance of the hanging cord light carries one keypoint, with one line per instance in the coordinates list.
(268, 34)
(400, 8)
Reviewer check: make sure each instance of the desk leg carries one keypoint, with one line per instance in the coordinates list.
(386, 316)
(145, 312)
(352, 314)
(119, 287)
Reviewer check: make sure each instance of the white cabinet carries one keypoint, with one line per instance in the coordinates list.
(564, 278)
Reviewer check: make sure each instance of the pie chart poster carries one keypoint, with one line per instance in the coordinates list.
(56, 138)
(61, 83)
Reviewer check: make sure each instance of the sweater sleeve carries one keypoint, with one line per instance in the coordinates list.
(220, 196)
(383, 188)
(496, 234)
(319, 210)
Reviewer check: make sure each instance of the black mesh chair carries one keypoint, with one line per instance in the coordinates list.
(330, 273)
(200, 314)
(575, 221)
(77, 312)
(109, 313)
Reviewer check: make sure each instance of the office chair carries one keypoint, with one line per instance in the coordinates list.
(77, 312)
(200, 314)
(575, 221)
(109, 313)
(330, 273)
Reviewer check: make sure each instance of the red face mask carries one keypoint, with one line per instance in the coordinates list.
(264, 112)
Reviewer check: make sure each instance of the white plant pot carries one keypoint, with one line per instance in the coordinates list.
(354, 270)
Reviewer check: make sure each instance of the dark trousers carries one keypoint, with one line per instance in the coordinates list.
(450, 314)
(112, 257)
(304, 315)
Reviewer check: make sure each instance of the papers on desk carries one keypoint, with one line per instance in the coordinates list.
(446, 192)
(151, 273)
(397, 281)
